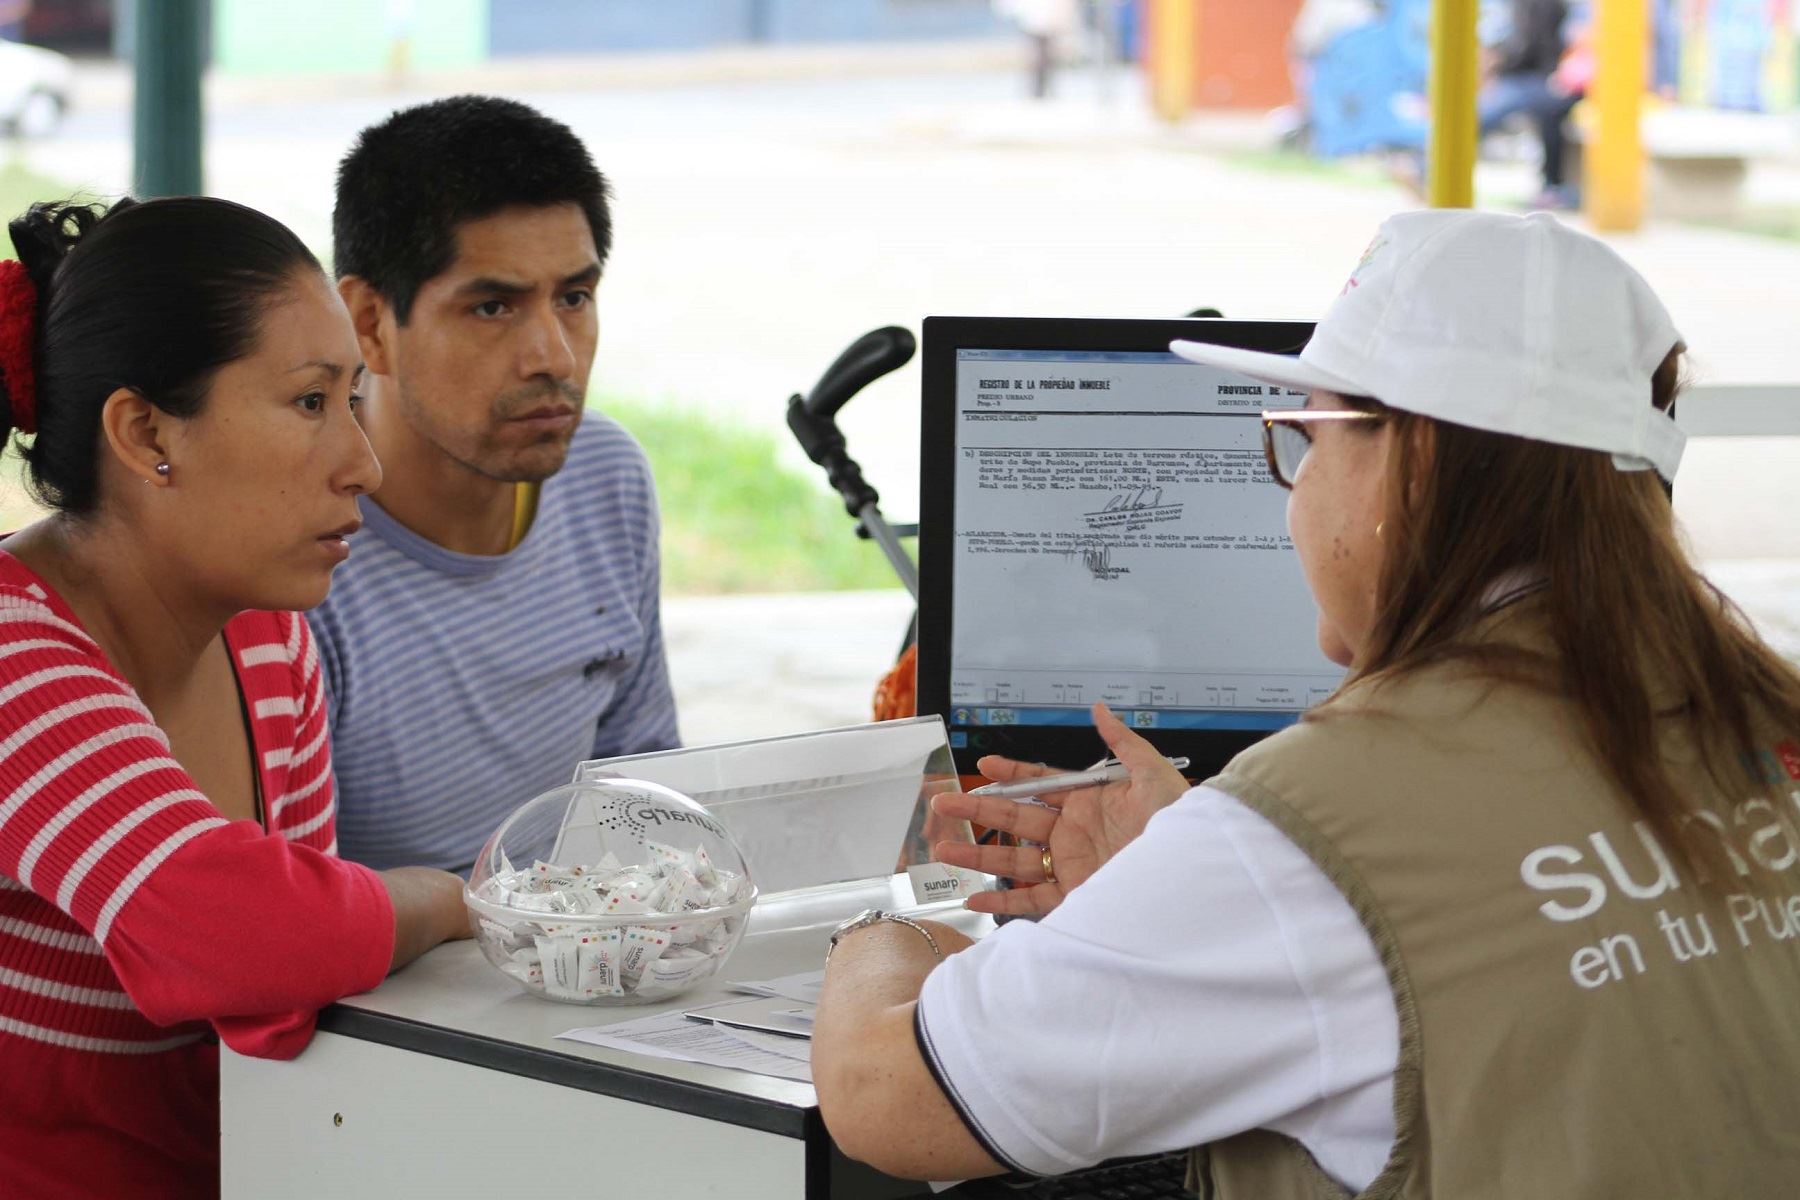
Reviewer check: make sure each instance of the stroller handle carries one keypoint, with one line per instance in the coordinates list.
(867, 359)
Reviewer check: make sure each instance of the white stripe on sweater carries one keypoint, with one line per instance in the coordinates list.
(80, 804)
(39, 614)
(28, 683)
(43, 935)
(294, 833)
(277, 706)
(281, 802)
(68, 758)
(23, 735)
(66, 993)
(30, 644)
(97, 849)
(313, 745)
(95, 702)
(309, 663)
(141, 872)
(76, 1041)
(259, 656)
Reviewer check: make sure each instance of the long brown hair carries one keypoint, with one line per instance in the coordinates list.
(1637, 635)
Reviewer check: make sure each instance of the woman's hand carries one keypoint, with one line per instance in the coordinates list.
(1083, 828)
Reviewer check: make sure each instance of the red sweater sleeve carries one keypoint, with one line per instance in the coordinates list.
(200, 918)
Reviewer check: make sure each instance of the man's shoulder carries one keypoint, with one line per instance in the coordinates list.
(603, 449)
(605, 494)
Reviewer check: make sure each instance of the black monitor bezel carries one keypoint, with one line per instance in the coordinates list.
(1210, 750)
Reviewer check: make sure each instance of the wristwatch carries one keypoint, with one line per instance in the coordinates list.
(875, 916)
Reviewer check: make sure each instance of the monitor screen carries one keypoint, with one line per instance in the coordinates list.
(1104, 527)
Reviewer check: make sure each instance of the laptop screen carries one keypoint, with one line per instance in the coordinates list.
(1112, 535)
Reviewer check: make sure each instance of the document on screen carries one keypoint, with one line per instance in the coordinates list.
(1118, 538)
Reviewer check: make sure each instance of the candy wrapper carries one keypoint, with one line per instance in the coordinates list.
(555, 949)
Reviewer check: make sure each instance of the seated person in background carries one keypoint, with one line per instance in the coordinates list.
(1522, 75)
(1503, 916)
(483, 639)
(168, 877)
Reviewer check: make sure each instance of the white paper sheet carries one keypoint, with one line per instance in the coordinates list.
(771, 1043)
(803, 987)
(673, 1036)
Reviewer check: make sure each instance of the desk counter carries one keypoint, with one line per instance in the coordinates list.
(448, 1081)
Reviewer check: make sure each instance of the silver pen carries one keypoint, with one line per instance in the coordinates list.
(1110, 773)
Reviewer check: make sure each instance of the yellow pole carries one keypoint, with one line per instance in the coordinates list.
(1174, 25)
(1455, 78)
(1613, 174)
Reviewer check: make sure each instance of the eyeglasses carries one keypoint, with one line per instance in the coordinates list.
(1286, 438)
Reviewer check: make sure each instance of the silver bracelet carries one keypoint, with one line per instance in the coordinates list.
(875, 916)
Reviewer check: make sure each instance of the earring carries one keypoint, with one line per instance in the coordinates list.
(162, 468)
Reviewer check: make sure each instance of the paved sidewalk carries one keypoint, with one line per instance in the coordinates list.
(757, 666)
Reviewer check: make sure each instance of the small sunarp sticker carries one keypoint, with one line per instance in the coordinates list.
(932, 882)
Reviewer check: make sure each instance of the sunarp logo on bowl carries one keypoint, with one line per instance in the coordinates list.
(637, 812)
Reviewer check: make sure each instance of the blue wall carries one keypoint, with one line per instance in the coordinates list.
(584, 26)
(879, 20)
(579, 26)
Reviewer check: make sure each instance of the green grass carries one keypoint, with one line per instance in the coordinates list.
(20, 187)
(736, 518)
(1771, 221)
(1360, 172)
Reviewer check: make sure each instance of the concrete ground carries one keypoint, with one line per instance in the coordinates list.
(772, 207)
(757, 666)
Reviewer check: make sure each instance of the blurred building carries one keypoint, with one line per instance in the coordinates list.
(562, 26)
(274, 37)
(1241, 58)
(1737, 54)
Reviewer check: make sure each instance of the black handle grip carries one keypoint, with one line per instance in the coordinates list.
(812, 417)
(868, 358)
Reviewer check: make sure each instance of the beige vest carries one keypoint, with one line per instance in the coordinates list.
(1577, 1018)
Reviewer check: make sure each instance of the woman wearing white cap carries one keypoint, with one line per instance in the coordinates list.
(1516, 912)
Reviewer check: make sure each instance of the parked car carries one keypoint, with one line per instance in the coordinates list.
(35, 86)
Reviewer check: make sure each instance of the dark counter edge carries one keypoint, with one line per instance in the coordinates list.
(567, 1070)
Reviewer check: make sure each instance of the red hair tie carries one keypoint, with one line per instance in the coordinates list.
(18, 334)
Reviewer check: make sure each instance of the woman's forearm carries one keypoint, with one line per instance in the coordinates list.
(880, 1102)
(428, 909)
(883, 966)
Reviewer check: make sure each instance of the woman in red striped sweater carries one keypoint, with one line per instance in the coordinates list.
(168, 879)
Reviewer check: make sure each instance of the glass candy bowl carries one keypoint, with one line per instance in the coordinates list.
(609, 891)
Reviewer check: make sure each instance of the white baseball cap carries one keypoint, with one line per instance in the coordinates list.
(1516, 325)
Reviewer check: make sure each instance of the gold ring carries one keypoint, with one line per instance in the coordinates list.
(1049, 867)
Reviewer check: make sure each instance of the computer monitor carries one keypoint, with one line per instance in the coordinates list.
(1098, 523)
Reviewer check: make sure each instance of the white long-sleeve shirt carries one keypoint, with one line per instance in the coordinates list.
(1208, 980)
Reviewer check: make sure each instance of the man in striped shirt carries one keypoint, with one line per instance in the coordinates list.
(499, 621)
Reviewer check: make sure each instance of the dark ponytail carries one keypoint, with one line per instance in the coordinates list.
(153, 296)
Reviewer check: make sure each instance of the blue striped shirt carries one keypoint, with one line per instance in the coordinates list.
(460, 686)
